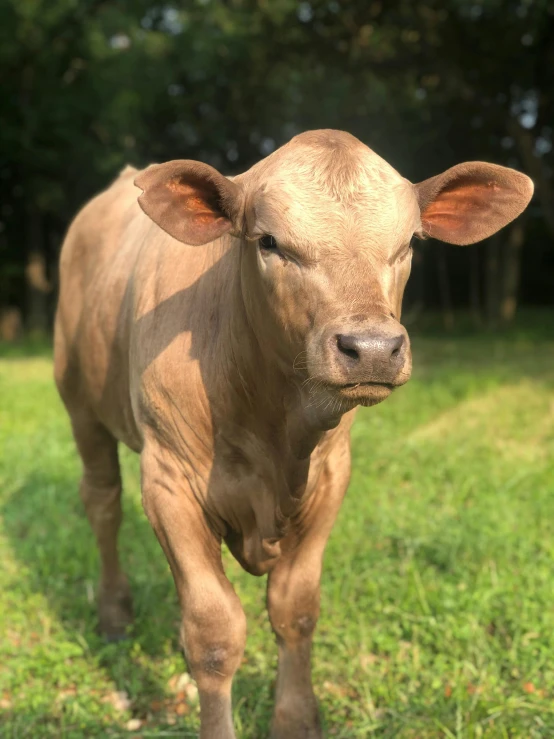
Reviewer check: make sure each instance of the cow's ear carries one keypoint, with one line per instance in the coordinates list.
(471, 201)
(190, 200)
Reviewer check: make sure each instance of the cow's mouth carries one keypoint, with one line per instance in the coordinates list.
(364, 393)
(356, 385)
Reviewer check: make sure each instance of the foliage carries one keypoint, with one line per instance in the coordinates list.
(89, 85)
(436, 619)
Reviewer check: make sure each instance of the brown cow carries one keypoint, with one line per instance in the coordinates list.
(226, 330)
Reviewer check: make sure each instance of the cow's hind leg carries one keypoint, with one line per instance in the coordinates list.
(100, 491)
(293, 605)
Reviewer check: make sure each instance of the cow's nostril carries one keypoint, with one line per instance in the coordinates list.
(370, 347)
(397, 345)
(347, 345)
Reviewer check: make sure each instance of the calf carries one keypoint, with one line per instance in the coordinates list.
(226, 329)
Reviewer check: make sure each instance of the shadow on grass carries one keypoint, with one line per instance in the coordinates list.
(50, 538)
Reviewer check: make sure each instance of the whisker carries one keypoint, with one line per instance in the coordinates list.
(298, 356)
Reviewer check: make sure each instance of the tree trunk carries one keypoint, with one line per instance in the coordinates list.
(493, 276)
(511, 272)
(474, 286)
(444, 288)
(38, 286)
(535, 169)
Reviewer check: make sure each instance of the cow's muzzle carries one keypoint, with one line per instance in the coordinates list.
(370, 352)
(364, 359)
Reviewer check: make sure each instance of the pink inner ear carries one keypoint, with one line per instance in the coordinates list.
(197, 200)
(456, 205)
(190, 201)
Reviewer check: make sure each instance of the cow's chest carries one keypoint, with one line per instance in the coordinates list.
(258, 490)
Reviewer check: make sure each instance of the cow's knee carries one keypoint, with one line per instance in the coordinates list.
(293, 607)
(215, 659)
(213, 640)
(102, 501)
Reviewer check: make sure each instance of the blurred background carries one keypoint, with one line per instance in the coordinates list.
(91, 85)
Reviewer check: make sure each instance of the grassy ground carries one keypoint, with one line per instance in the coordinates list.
(437, 603)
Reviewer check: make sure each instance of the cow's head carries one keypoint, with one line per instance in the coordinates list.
(326, 227)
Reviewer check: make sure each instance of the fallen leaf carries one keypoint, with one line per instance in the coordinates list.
(66, 693)
(133, 724)
(192, 693)
(183, 687)
(14, 638)
(366, 660)
(447, 690)
(334, 689)
(178, 683)
(184, 680)
(119, 700)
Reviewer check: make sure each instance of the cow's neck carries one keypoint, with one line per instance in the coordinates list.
(269, 443)
(261, 389)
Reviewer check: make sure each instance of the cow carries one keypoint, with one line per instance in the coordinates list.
(226, 329)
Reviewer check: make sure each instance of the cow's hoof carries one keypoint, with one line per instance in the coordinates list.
(296, 724)
(296, 732)
(115, 612)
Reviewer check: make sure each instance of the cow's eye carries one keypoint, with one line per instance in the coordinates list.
(269, 245)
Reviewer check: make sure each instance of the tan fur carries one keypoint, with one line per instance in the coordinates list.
(235, 373)
(325, 191)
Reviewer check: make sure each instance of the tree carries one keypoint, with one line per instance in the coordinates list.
(90, 85)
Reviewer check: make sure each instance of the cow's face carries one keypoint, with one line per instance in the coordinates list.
(327, 228)
(332, 225)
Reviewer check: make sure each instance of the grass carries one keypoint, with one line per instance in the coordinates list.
(437, 599)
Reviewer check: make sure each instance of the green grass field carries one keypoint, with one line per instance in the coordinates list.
(437, 599)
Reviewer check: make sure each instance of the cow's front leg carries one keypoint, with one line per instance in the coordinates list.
(293, 605)
(213, 626)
